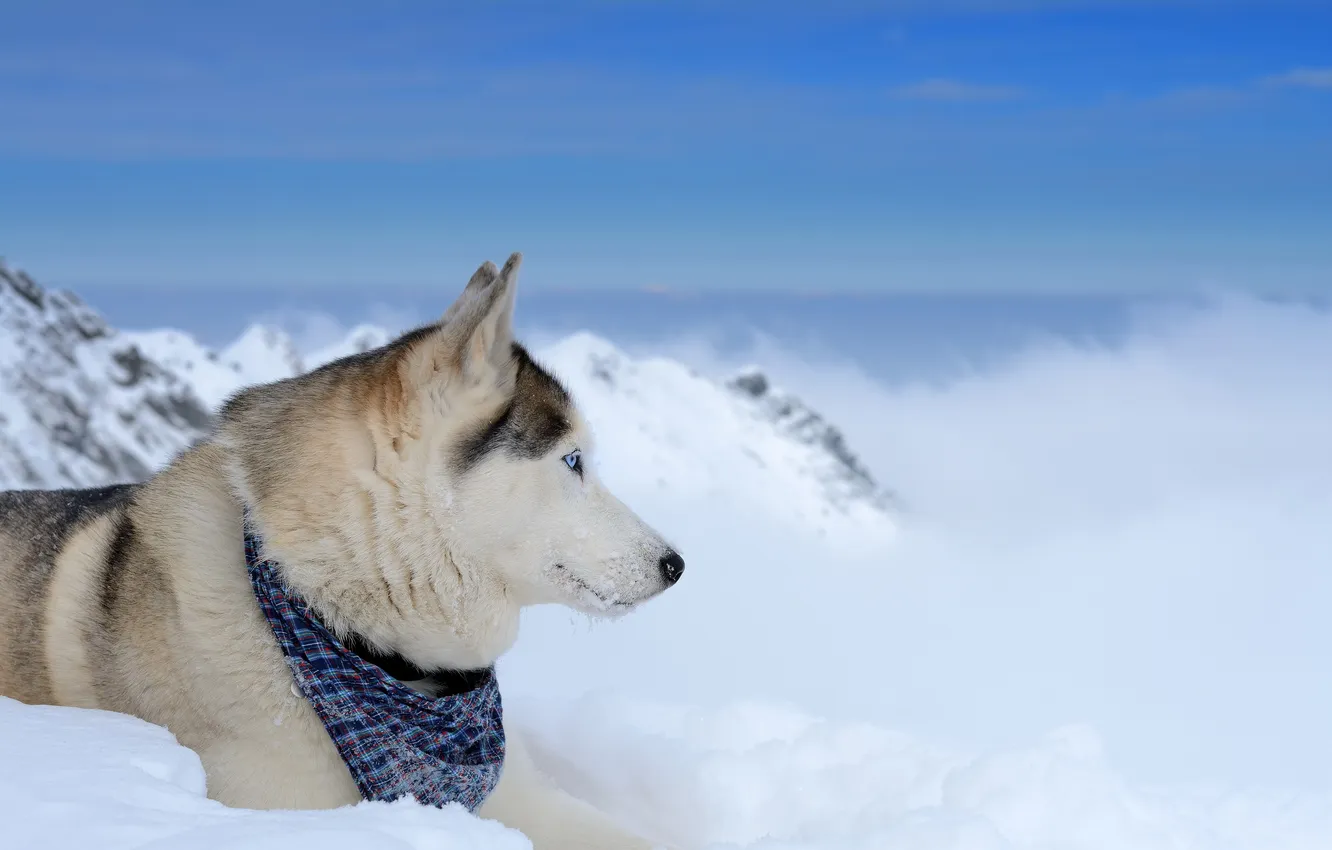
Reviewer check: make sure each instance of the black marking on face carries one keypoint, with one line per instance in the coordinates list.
(535, 420)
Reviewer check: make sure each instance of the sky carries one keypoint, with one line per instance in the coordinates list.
(954, 146)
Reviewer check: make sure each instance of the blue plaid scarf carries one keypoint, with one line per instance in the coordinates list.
(395, 741)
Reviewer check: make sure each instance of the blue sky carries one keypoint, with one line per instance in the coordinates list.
(837, 145)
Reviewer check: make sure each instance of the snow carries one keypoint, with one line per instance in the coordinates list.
(213, 378)
(756, 775)
(76, 778)
(81, 404)
(263, 354)
(359, 339)
(1091, 614)
(770, 776)
(662, 426)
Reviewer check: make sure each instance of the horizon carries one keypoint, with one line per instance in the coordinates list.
(893, 337)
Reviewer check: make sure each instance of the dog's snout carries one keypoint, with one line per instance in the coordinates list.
(672, 567)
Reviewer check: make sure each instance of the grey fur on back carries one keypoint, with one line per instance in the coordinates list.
(34, 526)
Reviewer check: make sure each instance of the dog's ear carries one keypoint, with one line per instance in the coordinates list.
(472, 346)
(479, 325)
(481, 279)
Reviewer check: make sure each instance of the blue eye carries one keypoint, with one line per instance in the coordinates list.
(574, 460)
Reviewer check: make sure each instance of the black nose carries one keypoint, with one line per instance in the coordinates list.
(672, 567)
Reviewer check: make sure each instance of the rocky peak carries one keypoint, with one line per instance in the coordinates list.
(741, 437)
(81, 405)
(847, 477)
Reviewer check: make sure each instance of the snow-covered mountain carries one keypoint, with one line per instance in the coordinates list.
(83, 404)
(757, 447)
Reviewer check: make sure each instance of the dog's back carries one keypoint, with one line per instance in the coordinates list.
(37, 527)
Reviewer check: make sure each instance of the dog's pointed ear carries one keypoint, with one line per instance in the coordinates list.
(486, 275)
(474, 341)
(470, 349)
(481, 329)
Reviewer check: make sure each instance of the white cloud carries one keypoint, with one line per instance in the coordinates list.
(312, 330)
(956, 91)
(1134, 537)
(1304, 78)
(1250, 91)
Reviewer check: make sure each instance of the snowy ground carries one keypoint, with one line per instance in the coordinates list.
(74, 778)
(747, 775)
(1103, 625)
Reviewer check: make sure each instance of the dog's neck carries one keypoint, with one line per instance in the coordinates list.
(435, 683)
(436, 679)
(456, 624)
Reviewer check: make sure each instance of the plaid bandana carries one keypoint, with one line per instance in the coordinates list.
(396, 741)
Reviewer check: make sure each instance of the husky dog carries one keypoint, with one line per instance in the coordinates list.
(417, 496)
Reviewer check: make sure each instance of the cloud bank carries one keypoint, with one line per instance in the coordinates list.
(1134, 537)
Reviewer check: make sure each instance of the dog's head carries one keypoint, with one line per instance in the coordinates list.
(507, 462)
(416, 490)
